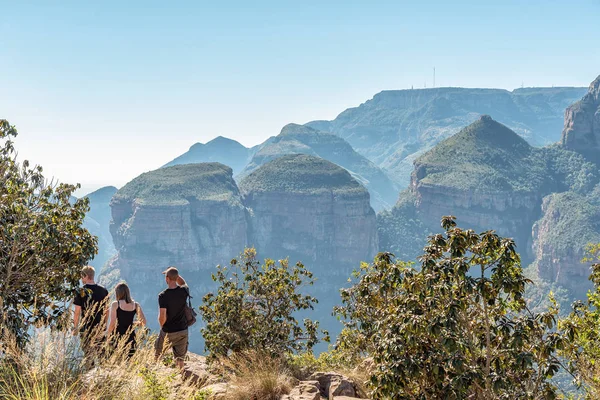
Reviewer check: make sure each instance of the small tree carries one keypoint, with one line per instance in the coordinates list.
(42, 243)
(254, 308)
(582, 328)
(458, 328)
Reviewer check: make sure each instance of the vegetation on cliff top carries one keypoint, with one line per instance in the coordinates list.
(181, 184)
(300, 173)
(485, 156)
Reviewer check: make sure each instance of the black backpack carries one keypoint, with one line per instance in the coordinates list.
(190, 313)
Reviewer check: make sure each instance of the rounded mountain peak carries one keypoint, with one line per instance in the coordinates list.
(301, 173)
(296, 129)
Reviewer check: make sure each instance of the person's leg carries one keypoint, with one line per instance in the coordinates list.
(179, 343)
(159, 345)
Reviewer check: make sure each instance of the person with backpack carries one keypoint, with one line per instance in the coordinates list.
(174, 316)
(125, 314)
(90, 311)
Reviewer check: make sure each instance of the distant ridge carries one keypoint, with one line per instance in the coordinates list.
(220, 149)
(396, 126)
(301, 139)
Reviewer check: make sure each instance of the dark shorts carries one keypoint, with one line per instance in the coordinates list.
(178, 341)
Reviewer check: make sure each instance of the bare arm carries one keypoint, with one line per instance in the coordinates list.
(76, 318)
(181, 281)
(112, 324)
(141, 316)
(162, 316)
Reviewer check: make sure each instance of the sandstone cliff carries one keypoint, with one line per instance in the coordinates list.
(486, 175)
(190, 216)
(311, 210)
(581, 132)
(570, 221)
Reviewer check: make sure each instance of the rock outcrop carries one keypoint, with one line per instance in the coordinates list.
(581, 131)
(300, 139)
(486, 176)
(569, 223)
(311, 210)
(397, 126)
(187, 215)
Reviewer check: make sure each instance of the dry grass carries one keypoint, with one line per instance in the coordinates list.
(52, 367)
(253, 375)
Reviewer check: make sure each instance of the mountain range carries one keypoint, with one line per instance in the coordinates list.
(309, 195)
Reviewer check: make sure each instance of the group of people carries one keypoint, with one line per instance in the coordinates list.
(124, 314)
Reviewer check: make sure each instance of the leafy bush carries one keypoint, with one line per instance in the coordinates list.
(457, 328)
(42, 243)
(254, 308)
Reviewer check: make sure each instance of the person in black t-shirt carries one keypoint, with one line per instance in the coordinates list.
(90, 310)
(171, 316)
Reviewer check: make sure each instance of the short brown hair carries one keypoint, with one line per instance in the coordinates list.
(172, 273)
(88, 272)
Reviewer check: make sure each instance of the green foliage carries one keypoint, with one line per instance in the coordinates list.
(300, 173)
(42, 243)
(204, 394)
(581, 328)
(155, 388)
(457, 328)
(254, 308)
(181, 184)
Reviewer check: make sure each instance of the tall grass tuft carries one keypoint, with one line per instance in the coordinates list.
(253, 375)
(52, 366)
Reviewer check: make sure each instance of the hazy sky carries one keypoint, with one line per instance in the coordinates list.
(102, 91)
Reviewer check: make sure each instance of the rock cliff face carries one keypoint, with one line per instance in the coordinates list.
(190, 216)
(570, 221)
(397, 126)
(310, 210)
(582, 124)
(299, 139)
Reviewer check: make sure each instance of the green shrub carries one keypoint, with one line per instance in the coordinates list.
(254, 308)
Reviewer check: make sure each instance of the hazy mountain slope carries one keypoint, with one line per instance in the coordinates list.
(222, 150)
(299, 139)
(97, 221)
(396, 126)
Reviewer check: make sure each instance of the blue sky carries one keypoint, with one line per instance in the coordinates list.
(103, 91)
